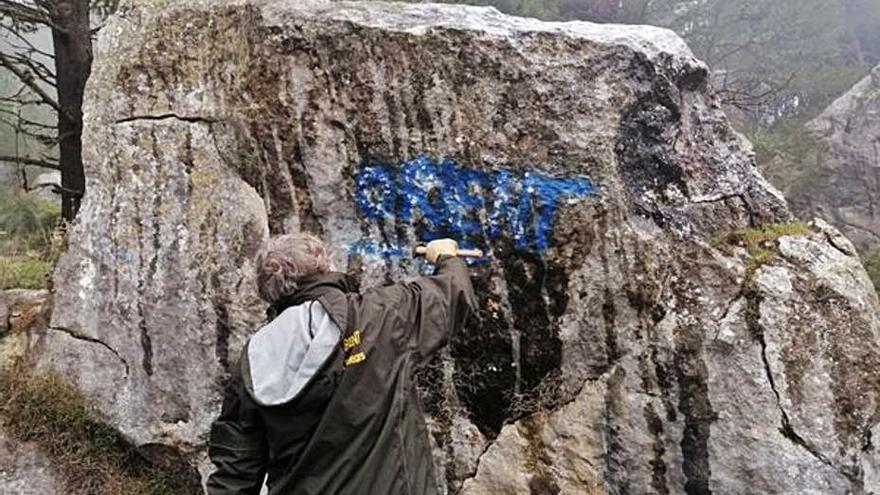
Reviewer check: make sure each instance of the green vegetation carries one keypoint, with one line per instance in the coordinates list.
(93, 458)
(760, 242)
(872, 265)
(23, 272)
(30, 239)
(27, 222)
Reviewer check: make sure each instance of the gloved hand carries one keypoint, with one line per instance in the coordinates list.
(440, 247)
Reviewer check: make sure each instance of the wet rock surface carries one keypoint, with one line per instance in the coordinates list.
(618, 349)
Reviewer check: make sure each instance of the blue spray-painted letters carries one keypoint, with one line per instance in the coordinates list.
(441, 199)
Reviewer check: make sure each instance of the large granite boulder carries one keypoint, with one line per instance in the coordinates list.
(626, 343)
(846, 186)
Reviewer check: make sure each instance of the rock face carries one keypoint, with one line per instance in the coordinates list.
(24, 470)
(848, 162)
(620, 346)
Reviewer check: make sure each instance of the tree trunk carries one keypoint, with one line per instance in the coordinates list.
(73, 64)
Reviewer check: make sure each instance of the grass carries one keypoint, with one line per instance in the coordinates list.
(30, 239)
(24, 272)
(759, 242)
(27, 222)
(92, 457)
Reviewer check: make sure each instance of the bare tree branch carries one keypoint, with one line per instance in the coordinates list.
(24, 13)
(30, 46)
(23, 160)
(27, 78)
(36, 68)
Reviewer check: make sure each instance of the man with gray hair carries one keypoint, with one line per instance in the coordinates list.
(324, 400)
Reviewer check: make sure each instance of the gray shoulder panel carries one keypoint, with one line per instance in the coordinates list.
(284, 356)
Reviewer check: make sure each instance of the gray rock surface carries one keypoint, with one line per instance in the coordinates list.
(847, 190)
(619, 347)
(24, 470)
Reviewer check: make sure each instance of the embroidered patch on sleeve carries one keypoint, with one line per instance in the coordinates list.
(355, 359)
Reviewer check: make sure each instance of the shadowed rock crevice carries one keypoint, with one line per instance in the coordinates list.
(182, 118)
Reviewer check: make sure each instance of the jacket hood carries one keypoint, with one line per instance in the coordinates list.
(284, 355)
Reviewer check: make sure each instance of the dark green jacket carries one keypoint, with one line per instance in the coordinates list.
(325, 399)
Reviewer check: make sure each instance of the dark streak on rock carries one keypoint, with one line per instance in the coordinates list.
(693, 402)
(609, 313)
(658, 465)
(147, 345)
(224, 329)
(615, 455)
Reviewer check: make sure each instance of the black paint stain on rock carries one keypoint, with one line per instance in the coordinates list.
(488, 382)
(645, 154)
(430, 380)
(540, 346)
(484, 375)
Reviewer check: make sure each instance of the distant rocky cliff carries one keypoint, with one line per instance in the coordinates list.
(848, 163)
(634, 336)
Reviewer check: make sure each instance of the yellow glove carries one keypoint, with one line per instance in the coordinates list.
(440, 247)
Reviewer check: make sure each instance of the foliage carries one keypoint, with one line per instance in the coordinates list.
(760, 242)
(23, 272)
(785, 152)
(872, 265)
(27, 223)
(30, 240)
(94, 459)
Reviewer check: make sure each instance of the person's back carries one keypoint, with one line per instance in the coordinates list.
(325, 401)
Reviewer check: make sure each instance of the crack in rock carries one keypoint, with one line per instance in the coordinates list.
(833, 244)
(787, 430)
(79, 336)
(166, 116)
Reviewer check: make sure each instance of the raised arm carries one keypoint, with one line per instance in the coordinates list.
(429, 309)
(447, 299)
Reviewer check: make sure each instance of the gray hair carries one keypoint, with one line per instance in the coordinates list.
(288, 258)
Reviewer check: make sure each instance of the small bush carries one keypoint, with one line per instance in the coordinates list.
(93, 458)
(24, 272)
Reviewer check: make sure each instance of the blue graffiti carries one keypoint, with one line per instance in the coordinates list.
(442, 199)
